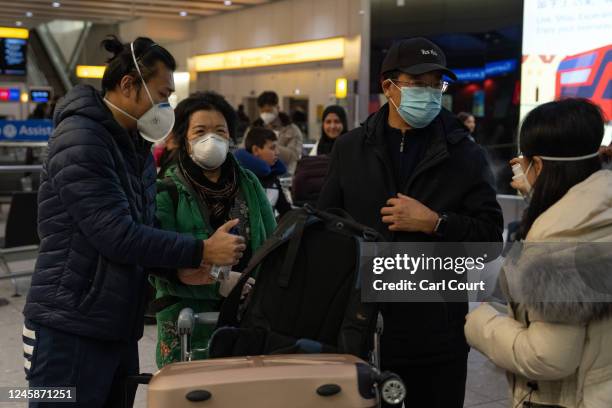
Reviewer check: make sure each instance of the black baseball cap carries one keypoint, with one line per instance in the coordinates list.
(416, 56)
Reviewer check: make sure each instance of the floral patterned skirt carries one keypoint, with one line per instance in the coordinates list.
(168, 341)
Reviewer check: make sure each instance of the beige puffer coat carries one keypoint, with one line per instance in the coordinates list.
(556, 342)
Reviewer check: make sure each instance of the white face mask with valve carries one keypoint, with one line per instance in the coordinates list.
(156, 123)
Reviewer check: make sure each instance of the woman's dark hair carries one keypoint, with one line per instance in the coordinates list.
(209, 101)
(267, 98)
(566, 128)
(121, 63)
(326, 143)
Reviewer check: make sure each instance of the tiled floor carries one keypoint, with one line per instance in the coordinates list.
(486, 385)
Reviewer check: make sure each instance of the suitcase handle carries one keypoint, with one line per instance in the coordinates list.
(186, 322)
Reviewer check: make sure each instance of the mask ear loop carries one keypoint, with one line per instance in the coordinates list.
(391, 99)
(528, 168)
(140, 73)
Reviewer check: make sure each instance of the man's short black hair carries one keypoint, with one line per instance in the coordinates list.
(147, 52)
(258, 136)
(267, 98)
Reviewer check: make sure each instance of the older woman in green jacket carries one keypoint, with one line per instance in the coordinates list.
(201, 193)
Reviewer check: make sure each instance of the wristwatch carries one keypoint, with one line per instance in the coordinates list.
(440, 228)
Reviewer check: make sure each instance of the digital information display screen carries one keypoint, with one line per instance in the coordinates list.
(40, 95)
(10, 94)
(13, 56)
(567, 52)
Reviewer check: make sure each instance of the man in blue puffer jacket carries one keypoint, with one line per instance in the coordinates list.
(84, 312)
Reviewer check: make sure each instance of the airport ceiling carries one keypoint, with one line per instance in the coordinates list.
(30, 13)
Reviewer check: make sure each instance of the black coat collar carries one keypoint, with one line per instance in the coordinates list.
(445, 128)
(443, 131)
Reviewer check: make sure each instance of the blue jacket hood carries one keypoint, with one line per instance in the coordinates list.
(259, 167)
(86, 101)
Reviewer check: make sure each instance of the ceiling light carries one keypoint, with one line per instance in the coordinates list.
(183, 13)
(29, 14)
(228, 2)
(309, 51)
(18, 23)
(56, 4)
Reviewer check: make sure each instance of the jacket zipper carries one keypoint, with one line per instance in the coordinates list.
(420, 169)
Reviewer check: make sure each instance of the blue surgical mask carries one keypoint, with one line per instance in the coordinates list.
(418, 105)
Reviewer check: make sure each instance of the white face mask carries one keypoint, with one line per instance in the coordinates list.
(269, 117)
(156, 123)
(209, 151)
(528, 193)
(528, 188)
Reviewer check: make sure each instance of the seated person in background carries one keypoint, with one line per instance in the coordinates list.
(261, 157)
(198, 195)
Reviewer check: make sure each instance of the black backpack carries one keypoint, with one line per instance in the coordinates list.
(307, 297)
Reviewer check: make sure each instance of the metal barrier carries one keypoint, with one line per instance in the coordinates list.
(19, 253)
(21, 168)
(26, 182)
(14, 255)
(22, 253)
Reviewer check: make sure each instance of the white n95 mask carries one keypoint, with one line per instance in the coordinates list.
(268, 117)
(209, 151)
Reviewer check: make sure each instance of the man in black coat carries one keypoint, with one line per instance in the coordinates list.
(84, 312)
(412, 173)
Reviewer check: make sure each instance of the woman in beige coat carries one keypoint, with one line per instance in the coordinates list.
(556, 340)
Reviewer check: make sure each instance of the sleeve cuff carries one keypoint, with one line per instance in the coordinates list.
(453, 224)
(198, 254)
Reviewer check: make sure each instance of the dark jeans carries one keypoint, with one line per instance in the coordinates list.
(96, 368)
(433, 386)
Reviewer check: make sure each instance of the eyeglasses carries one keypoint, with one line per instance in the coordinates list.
(415, 83)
